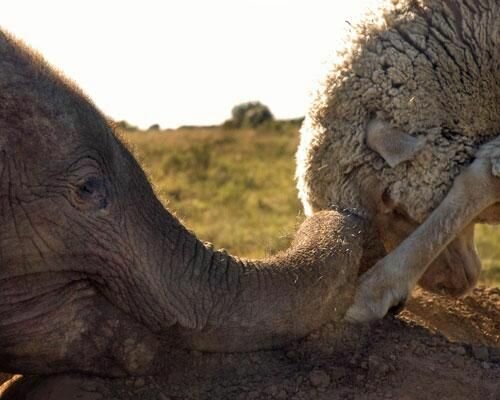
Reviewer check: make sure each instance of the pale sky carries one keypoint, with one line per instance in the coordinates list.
(186, 62)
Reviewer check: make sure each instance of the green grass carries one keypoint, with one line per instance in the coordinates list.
(487, 241)
(236, 189)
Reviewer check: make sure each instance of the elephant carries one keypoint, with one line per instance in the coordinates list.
(97, 277)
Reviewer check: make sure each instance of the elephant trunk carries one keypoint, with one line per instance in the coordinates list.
(213, 301)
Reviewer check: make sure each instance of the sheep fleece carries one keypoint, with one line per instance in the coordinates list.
(430, 69)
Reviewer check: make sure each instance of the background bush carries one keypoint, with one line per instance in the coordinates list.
(249, 115)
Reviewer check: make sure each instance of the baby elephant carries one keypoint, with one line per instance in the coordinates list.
(97, 277)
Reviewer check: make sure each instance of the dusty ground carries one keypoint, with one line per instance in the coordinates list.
(436, 349)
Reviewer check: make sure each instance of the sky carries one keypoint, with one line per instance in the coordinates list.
(186, 62)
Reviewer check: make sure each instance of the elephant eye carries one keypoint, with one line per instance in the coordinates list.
(90, 186)
(93, 192)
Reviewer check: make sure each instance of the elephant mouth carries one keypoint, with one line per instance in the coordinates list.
(58, 321)
(29, 300)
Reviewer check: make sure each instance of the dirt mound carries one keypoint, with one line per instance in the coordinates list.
(438, 348)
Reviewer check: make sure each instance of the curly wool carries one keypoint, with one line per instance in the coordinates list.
(431, 69)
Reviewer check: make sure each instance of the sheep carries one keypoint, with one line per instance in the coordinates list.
(404, 130)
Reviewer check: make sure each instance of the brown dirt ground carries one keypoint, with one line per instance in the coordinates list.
(438, 348)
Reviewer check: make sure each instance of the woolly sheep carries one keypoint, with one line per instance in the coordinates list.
(394, 132)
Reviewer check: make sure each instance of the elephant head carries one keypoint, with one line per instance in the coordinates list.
(97, 276)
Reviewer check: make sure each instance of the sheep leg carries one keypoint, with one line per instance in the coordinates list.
(391, 280)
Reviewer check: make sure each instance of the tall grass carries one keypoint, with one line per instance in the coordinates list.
(236, 188)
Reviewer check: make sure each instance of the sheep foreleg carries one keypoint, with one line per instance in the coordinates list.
(391, 280)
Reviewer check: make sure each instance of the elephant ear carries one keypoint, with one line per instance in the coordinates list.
(391, 144)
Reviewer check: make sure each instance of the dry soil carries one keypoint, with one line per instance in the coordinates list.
(438, 348)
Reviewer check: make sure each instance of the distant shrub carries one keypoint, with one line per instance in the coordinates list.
(124, 125)
(228, 124)
(251, 115)
(154, 127)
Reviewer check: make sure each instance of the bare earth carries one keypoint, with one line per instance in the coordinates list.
(437, 348)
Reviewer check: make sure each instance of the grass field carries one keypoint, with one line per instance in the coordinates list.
(236, 189)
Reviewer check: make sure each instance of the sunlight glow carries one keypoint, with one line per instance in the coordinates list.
(185, 62)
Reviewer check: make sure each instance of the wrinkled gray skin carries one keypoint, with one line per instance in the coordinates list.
(97, 277)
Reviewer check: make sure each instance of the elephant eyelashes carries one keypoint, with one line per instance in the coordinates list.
(93, 192)
(90, 186)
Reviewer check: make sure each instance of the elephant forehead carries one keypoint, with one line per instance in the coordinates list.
(39, 106)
